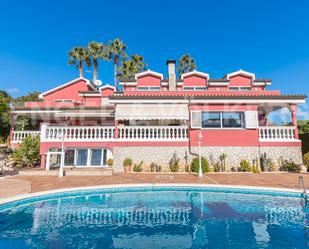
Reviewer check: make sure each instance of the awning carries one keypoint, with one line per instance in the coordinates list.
(151, 111)
(86, 113)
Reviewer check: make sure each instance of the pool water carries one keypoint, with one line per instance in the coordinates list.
(156, 218)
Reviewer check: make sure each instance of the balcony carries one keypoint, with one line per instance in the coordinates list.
(19, 136)
(277, 133)
(153, 133)
(105, 133)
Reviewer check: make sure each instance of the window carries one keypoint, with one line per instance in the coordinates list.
(69, 158)
(240, 88)
(63, 100)
(82, 156)
(96, 155)
(211, 119)
(149, 88)
(222, 119)
(194, 88)
(231, 119)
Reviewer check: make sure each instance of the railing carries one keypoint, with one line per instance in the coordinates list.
(277, 133)
(138, 133)
(78, 133)
(19, 136)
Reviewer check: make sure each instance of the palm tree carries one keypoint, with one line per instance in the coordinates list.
(116, 50)
(186, 63)
(96, 51)
(131, 67)
(77, 57)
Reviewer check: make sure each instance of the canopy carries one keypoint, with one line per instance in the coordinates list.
(151, 111)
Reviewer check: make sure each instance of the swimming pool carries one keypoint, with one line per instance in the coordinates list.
(156, 217)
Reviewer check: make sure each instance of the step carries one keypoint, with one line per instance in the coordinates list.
(88, 172)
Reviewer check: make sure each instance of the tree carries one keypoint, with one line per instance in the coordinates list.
(78, 56)
(5, 100)
(96, 51)
(303, 126)
(30, 97)
(186, 63)
(131, 67)
(23, 122)
(117, 52)
(28, 153)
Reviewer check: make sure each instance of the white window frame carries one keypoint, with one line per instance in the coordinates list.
(149, 88)
(194, 88)
(239, 88)
(63, 100)
(243, 125)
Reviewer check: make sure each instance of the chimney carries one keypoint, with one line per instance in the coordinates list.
(171, 64)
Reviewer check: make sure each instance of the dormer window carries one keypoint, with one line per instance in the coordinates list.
(63, 100)
(240, 88)
(194, 88)
(148, 88)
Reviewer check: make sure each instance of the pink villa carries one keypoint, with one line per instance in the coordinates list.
(154, 117)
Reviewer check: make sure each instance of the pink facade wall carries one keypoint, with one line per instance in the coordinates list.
(194, 81)
(228, 136)
(68, 92)
(240, 80)
(149, 80)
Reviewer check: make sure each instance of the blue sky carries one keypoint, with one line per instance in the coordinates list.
(269, 38)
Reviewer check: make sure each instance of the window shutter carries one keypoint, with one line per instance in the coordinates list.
(196, 120)
(251, 119)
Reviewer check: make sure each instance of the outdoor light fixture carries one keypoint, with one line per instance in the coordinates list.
(200, 139)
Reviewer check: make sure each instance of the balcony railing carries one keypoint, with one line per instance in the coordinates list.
(138, 133)
(19, 136)
(106, 133)
(277, 133)
(78, 133)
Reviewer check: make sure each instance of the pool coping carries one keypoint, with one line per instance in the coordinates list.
(146, 185)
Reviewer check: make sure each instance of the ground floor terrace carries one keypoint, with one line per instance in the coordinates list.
(241, 132)
(18, 185)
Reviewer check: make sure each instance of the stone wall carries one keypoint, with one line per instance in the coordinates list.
(162, 155)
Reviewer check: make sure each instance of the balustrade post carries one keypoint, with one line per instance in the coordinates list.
(43, 131)
(116, 134)
(293, 109)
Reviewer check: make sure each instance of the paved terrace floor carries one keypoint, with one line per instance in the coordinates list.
(11, 186)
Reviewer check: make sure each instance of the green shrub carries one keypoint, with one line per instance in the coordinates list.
(195, 165)
(28, 152)
(289, 165)
(245, 166)
(127, 162)
(155, 167)
(217, 167)
(306, 160)
(138, 167)
(222, 159)
(174, 163)
(270, 165)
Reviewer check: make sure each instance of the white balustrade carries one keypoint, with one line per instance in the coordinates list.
(277, 133)
(153, 133)
(19, 136)
(78, 133)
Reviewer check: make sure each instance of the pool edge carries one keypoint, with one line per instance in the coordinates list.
(149, 185)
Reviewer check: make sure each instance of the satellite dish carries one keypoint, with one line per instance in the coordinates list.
(97, 82)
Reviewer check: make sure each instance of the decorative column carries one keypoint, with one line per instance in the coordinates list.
(11, 136)
(43, 161)
(293, 109)
(116, 129)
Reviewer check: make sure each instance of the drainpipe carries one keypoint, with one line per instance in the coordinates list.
(189, 125)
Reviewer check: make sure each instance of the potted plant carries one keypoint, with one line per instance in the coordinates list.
(110, 162)
(127, 164)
